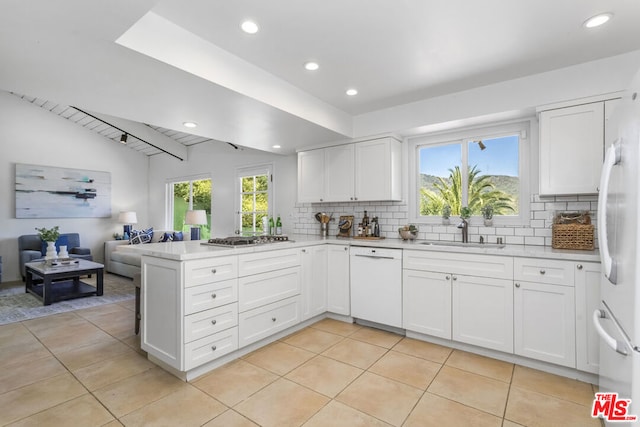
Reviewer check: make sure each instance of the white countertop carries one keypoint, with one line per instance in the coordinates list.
(188, 250)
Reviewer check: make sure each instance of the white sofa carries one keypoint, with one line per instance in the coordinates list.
(119, 260)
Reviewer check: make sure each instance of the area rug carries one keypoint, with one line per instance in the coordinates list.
(16, 305)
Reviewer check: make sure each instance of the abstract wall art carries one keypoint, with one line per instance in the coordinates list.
(52, 192)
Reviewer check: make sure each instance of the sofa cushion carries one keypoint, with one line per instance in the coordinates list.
(141, 236)
(126, 257)
(178, 236)
(166, 237)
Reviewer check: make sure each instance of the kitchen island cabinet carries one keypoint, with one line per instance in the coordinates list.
(314, 280)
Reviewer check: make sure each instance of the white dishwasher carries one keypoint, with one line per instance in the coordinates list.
(376, 285)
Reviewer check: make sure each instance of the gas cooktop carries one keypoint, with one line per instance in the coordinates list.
(245, 240)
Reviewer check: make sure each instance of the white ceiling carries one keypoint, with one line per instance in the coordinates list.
(169, 61)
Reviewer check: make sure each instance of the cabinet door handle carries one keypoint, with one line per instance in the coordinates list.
(517, 285)
(350, 198)
(320, 199)
(579, 266)
(213, 347)
(214, 271)
(214, 321)
(455, 277)
(542, 271)
(346, 248)
(213, 296)
(447, 277)
(273, 319)
(304, 251)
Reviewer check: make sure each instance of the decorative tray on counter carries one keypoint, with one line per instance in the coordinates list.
(368, 237)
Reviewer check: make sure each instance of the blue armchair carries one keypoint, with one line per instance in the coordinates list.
(30, 248)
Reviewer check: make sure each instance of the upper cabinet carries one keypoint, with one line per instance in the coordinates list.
(361, 171)
(572, 142)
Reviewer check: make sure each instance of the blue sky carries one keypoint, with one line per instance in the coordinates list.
(499, 158)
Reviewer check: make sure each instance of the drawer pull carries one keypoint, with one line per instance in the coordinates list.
(517, 285)
(214, 321)
(213, 348)
(579, 266)
(214, 271)
(542, 271)
(213, 296)
(273, 319)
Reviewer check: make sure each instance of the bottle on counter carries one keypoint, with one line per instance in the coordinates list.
(360, 230)
(278, 226)
(376, 227)
(365, 219)
(271, 226)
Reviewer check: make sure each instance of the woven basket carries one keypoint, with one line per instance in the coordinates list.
(572, 236)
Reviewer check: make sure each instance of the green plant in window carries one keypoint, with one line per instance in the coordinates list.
(481, 192)
(465, 212)
(446, 211)
(487, 211)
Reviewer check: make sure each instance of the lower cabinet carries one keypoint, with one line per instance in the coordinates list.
(262, 322)
(587, 288)
(483, 312)
(426, 302)
(544, 317)
(338, 286)
(314, 280)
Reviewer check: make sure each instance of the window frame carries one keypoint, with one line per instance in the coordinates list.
(169, 205)
(253, 170)
(463, 136)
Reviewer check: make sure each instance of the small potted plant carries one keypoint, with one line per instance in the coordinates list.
(465, 212)
(446, 213)
(487, 214)
(50, 236)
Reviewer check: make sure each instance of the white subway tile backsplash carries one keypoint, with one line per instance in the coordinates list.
(392, 215)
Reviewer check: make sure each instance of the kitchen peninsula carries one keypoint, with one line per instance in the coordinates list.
(206, 305)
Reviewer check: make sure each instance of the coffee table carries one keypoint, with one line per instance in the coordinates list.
(62, 282)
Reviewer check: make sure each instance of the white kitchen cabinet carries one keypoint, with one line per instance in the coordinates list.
(338, 296)
(426, 303)
(314, 280)
(338, 174)
(311, 172)
(377, 170)
(360, 171)
(544, 311)
(572, 147)
(587, 289)
(482, 310)
(189, 310)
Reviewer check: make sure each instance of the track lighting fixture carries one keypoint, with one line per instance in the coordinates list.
(123, 138)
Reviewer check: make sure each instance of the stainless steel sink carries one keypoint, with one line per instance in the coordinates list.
(463, 245)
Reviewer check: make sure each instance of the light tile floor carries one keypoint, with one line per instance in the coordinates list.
(85, 368)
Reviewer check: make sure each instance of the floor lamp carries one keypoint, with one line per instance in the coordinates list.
(196, 217)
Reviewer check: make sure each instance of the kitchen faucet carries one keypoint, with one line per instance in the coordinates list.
(464, 225)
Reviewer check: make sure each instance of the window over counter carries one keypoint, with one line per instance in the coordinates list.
(192, 193)
(255, 198)
(484, 169)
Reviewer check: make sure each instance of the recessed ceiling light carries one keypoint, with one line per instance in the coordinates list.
(352, 92)
(189, 124)
(597, 20)
(249, 27)
(276, 146)
(311, 66)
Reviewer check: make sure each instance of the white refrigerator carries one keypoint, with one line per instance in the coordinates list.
(618, 318)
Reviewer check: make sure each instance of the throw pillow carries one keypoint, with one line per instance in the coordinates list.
(166, 237)
(178, 237)
(141, 236)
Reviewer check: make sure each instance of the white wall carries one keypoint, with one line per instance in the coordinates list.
(220, 161)
(30, 134)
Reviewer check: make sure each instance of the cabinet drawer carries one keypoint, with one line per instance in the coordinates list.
(199, 272)
(268, 261)
(204, 350)
(262, 322)
(499, 267)
(211, 295)
(544, 271)
(260, 289)
(209, 322)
